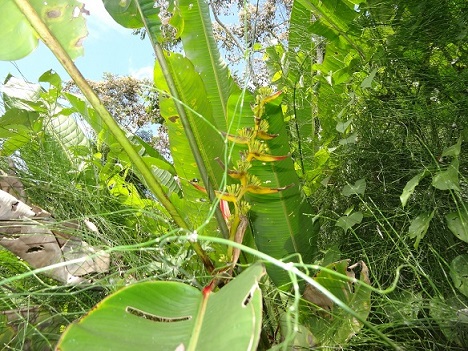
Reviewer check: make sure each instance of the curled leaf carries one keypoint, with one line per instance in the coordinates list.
(270, 98)
(12, 208)
(239, 237)
(231, 195)
(338, 326)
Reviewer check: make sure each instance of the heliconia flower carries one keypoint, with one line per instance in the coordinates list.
(235, 174)
(243, 136)
(242, 140)
(224, 206)
(226, 196)
(263, 190)
(259, 147)
(264, 157)
(198, 186)
(265, 136)
(270, 98)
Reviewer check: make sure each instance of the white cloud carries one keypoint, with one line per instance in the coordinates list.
(143, 72)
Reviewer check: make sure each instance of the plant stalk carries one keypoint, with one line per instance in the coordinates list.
(53, 44)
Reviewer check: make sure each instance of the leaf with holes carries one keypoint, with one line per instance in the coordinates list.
(171, 315)
(42, 246)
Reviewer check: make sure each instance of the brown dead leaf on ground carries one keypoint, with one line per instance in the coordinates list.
(34, 236)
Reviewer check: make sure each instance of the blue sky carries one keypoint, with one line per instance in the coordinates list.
(108, 48)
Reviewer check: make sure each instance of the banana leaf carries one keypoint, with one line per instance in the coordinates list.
(193, 22)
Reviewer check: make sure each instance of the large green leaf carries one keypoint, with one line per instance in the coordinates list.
(63, 17)
(334, 21)
(17, 93)
(173, 316)
(298, 80)
(16, 129)
(194, 26)
(282, 223)
(126, 14)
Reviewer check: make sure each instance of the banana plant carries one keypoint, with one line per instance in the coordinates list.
(209, 119)
(201, 103)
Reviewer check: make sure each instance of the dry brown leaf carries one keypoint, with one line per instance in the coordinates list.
(20, 314)
(318, 298)
(12, 208)
(11, 184)
(35, 243)
(43, 242)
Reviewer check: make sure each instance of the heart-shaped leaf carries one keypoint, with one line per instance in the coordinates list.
(347, 222)
(409, 188)
(419, 227)
(358, 188)
(448, 179)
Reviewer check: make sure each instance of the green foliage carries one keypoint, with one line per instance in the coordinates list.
(372, 115)
(386, 82)
(199, 113)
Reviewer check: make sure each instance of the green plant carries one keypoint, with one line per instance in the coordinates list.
(352, 114)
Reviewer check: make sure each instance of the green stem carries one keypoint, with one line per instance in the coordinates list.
(186, 125)
(53, 44)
